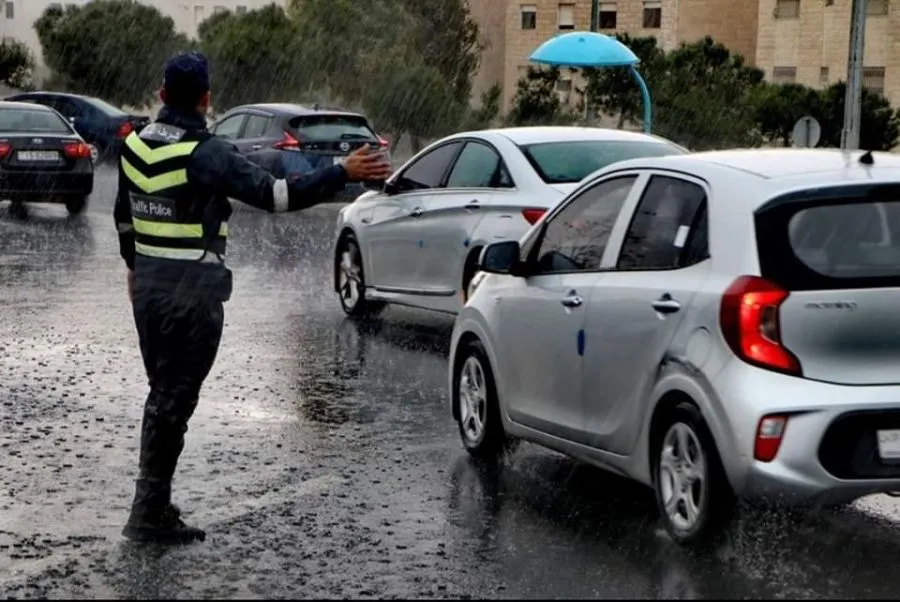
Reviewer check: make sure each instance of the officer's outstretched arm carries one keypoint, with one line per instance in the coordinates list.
(124, 225)
(218, 165)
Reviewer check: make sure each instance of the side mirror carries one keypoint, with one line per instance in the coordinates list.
(501, 258)
(391, 187)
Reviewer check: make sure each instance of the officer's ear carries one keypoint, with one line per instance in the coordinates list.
(162, 95)
(205, 100)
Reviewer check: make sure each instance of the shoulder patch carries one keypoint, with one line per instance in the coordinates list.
(162, 132)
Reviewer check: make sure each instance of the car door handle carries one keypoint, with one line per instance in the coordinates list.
(473, 204)
(573, 299)
(666, 304)
(256, 146)
(416, 212)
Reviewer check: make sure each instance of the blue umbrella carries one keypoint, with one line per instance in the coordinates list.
(591, 49)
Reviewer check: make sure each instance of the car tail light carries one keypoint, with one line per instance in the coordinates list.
(769, 433)
(288, 141)
(77, 150)
(124, 130)
(533, 215)
(748, 317)
(5, 148)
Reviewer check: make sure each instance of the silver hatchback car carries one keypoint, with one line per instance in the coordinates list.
(717, 326)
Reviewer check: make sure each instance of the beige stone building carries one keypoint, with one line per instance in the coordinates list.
(807, 41)
(512, 29)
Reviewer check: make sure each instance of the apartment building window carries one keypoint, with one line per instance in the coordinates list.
(10, 10)
(652, 14)
(564, 90)
(784, 75)
(877, 8)
(873, 79)
(240, 10)
(787, 9)
(529, 16)
(219, 9)
(199, 13)
(608, 14)
(823, 76)
(565, 16)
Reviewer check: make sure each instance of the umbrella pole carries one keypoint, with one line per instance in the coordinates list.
(645, 94)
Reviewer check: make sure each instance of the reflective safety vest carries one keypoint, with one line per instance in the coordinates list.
(171, 219)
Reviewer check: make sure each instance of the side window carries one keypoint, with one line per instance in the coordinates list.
(229, 127)
(479, 166)
(66, 108)
(428, 171)
(668, 227)
(576, 237)
(256, 127)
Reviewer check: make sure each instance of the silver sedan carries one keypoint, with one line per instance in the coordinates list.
(716, 325)
(416, 242)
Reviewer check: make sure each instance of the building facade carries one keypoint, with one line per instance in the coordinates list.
(807, 42)
(512, 29)
(17, 17)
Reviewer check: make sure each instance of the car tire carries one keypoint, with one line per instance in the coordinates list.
(693, 494)
(75, 205)
(476, 405)
(351, 282)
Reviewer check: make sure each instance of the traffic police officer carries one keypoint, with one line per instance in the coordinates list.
(172, 209)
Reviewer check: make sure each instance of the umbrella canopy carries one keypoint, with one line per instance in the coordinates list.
(584, 49)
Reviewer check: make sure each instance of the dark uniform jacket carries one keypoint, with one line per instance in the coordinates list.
(215, 172)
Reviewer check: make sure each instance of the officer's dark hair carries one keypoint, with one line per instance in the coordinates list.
(186, 80)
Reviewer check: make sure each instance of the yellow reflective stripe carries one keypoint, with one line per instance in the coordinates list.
(155, 155)
(181, 254)
(223, 229)
(167, 230)
(156, 183)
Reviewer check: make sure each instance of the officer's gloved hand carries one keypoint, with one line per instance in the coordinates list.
(363, 164)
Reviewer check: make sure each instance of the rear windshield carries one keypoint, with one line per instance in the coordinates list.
(845, 244)
(332, 127)
(32, 120)
(567, 162)
(107, 108)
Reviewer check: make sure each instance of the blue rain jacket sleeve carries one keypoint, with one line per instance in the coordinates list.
(218, 165)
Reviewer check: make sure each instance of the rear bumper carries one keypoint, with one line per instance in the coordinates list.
(45, 185)
(829, 451)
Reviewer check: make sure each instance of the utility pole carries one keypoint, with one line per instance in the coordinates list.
(595, 15)
(853, 98)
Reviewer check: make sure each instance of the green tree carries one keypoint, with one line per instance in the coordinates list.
(703, 99)
(536, 101)
(487, 112)
(255, 57)
(114, 49)
(613, 90)
(879, 124)
(16, 64)
(778, 107)
(207, 27)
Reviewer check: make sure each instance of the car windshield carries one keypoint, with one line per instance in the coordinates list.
(32, 120)
(332, 127)
(107, 108)
(566, 162)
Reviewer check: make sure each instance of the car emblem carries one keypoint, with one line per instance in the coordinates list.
(345, 146)
(37, 140)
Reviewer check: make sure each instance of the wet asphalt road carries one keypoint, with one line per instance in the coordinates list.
(322, 458)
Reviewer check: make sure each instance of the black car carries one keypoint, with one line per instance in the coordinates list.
(292, 138)
(98, 122)
(42, 158)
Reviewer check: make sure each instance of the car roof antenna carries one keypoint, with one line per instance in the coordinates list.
(867, 158)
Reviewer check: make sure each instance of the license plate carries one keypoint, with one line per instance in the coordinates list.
(339, 160)
(889, 445)
(37, 155)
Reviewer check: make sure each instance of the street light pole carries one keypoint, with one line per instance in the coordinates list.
(595, 15)
(853, 97)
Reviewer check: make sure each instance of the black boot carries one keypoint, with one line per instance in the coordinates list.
(156, 520)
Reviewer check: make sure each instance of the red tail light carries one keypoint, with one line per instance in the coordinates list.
(533, 215)
(77, 150)
(124, 129)
(769, 433)
(288, 141)
(748, 317)
(5, 148)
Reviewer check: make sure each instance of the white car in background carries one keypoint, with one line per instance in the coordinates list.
(417, 242)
